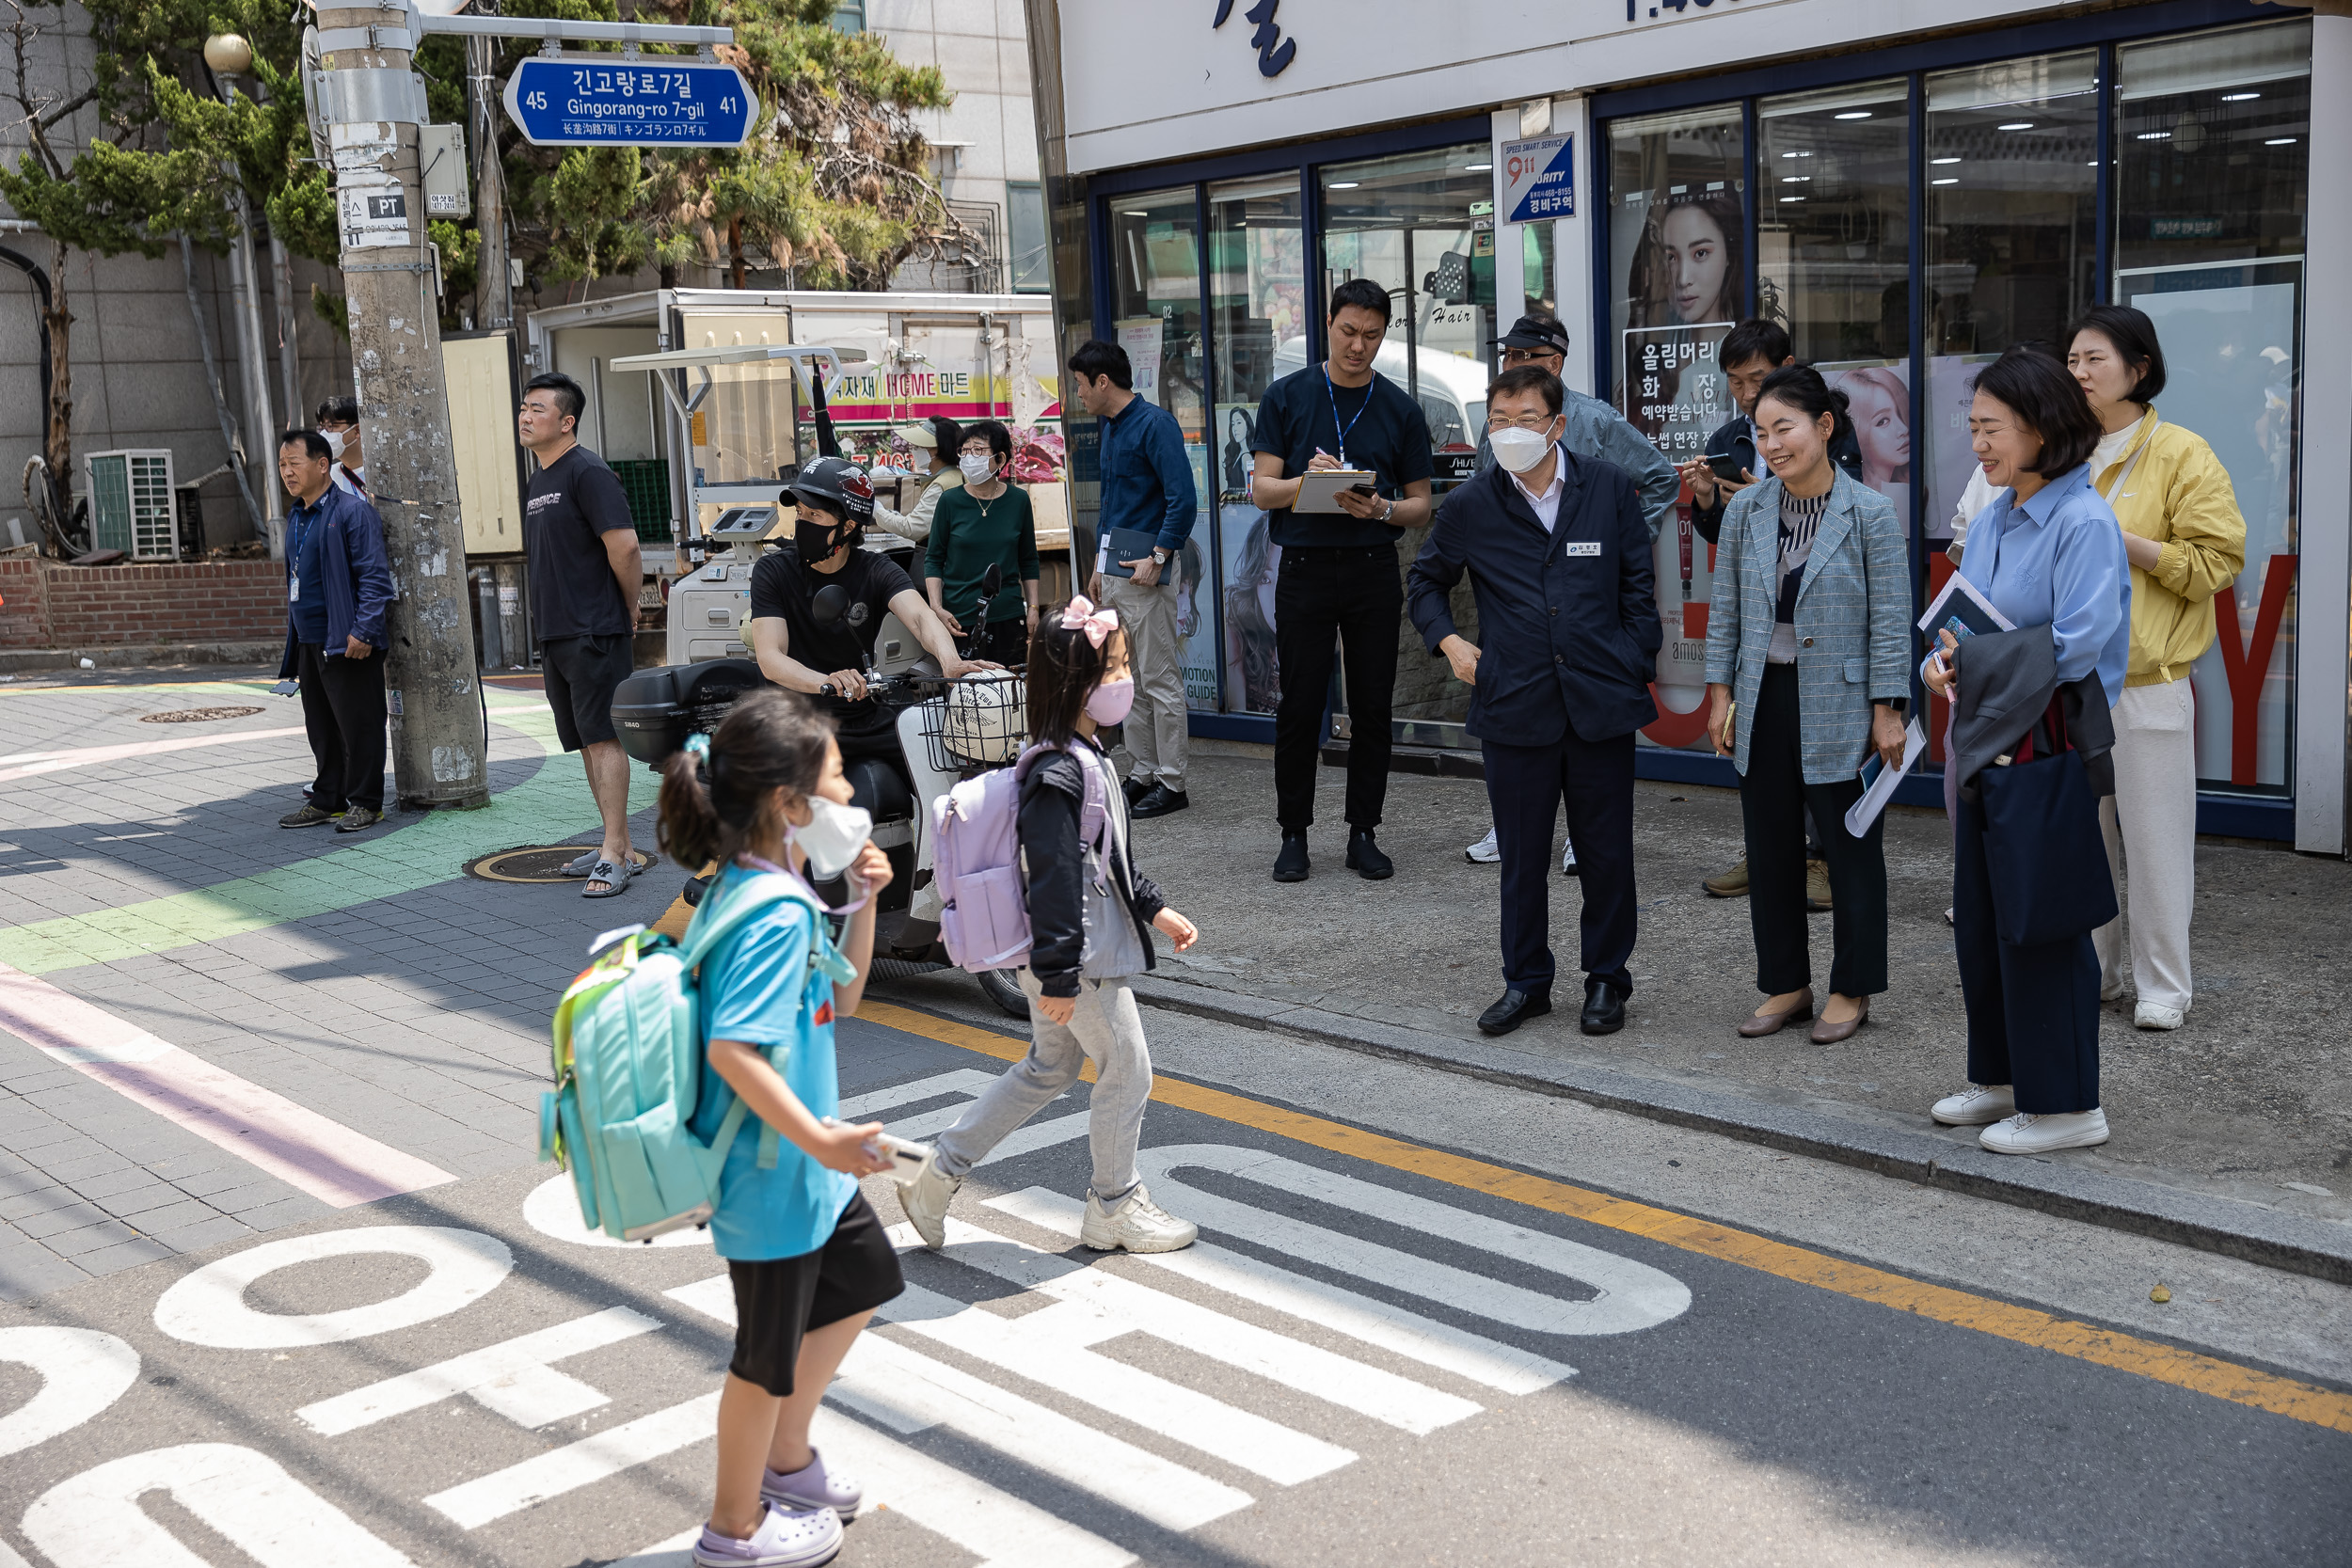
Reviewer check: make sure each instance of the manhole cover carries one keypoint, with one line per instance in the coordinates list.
(535, 863)
(196, 715)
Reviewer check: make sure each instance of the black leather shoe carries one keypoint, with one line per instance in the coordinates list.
(1159, 803)
(1516, 1008)
(1604, 1008)
(1136, 789)
(1365, 858)
(1291, 865)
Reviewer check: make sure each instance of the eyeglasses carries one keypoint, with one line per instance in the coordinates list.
(977, 452)
(1537, 423)
(1528, 356)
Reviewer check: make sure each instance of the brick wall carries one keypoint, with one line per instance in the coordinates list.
(53, 606)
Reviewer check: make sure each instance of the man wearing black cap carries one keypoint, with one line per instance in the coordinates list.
(1592, 430)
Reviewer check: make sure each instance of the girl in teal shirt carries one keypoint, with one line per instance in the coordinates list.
(807, 1258)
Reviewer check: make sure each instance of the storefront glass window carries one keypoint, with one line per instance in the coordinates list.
(1257, 310)
(1422, 225)
(2212, 139)
(1679, 281)
(2013, 240)
(1539, 257)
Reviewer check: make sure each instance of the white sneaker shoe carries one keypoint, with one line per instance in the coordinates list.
(1975, 1105)
(925, 1199)
(1484, 852)
(2156, 1015)
(2112, 990)
(1137, 1225)
(2029, 1133)
(1568, 857)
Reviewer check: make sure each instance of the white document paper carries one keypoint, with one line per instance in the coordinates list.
(1140, 337)
(1866, 811)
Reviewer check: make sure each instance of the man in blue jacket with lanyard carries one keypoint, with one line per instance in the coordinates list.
(1147, 489)
(1559, 560)
(338, 583)
(1339, 578)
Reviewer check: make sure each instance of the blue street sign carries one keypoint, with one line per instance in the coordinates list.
(606, 101)
(1538, 179)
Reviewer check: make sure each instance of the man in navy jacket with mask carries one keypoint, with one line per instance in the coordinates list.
(1558, 560)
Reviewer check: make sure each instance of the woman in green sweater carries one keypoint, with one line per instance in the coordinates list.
(987, 522)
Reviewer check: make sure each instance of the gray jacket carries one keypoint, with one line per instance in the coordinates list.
(2007, 679)
(1595, 429)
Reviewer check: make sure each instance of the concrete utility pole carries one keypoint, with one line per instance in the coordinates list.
(373, 105)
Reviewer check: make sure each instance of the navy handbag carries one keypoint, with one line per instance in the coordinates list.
(2044, 852)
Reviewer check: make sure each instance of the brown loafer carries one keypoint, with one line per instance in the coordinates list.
(1760, 1022)
(1826, 1033)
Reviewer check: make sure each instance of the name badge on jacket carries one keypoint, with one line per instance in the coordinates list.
(1574, 547)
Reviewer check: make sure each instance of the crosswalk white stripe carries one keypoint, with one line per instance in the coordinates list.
(910, 1392)
(512, 1378)
(967, 1083)
(1097, 1305)
(1628, 1296)
(1032, 1347)
(607, 1453)
(1489, 1362)
(1001, 1530)
(964, 1081)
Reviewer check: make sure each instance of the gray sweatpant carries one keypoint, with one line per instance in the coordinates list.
(1106, 1028)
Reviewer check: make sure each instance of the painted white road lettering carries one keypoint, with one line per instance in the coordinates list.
(1489, 1362)
(208, 1308)
(1628, 1295)
(477, 1502)
(81, 1371)
(1036, 1347)
(554, 1211)
(514, 1379)
(1094, 1305)
(910, 1392)
(94, 1520)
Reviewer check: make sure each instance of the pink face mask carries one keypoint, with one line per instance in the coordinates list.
(1110, 702)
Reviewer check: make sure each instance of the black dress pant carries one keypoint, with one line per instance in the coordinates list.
(1525, 786)
(1772, 800)
(342, 708)
(1356, 596)
(2033, 1012)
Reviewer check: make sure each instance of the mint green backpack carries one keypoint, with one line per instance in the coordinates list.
(629, 1058)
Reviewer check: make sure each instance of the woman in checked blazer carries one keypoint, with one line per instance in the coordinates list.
(1808, 672)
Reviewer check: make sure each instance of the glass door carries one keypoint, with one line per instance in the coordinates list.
(1258, 315)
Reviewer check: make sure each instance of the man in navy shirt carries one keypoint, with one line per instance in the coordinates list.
(338, 583)
(1558, 560)
(1338, 577)
(1146, 488)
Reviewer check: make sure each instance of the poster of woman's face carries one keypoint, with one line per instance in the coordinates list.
(1253, 682)
(1236, 423)
(1878, 400)
(1691, 270)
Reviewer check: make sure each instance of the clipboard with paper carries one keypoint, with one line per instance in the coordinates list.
(1319, 489)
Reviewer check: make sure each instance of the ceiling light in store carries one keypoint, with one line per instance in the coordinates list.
(1796, 154)
(1134, 213)
(2239, 97)
(1478, 168)
(2155, 135)
(2280, 141)
(1344, 184)
(1953, 180)
(1855, 114)
(1796, 179)
(1792, 198)
(2016, 125)
(1943, 159)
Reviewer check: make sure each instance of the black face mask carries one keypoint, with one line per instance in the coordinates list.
(815, 536)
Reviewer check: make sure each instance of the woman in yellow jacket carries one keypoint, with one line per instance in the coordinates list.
(2185, 541)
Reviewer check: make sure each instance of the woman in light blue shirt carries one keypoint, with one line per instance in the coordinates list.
(2047, 552)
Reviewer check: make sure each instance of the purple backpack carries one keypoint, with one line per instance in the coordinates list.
(976, 860)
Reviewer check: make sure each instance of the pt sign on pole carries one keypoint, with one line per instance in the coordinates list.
(612, 101)
(1538, 179)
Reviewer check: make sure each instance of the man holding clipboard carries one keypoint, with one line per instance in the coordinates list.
(1338, 575)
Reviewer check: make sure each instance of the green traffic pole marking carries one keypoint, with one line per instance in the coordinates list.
(555, 800)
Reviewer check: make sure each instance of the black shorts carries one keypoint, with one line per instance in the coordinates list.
(582, 673)
(779, 1301)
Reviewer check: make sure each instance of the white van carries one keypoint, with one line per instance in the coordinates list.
(1452, 392)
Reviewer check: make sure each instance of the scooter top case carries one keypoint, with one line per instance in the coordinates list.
(655, 710)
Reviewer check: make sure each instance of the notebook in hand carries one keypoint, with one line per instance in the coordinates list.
(1128, 543)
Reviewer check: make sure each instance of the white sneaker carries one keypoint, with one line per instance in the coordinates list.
(1975, 1105)
(1137, 1225)
(2112, 990)
(925, 1199)
(1484, 852)
(2156, 1015)
(1568, 857)
(2029, 1133)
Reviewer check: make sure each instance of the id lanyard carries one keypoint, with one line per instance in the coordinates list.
(1333, 392)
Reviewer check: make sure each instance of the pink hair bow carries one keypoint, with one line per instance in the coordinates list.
(1081, 615)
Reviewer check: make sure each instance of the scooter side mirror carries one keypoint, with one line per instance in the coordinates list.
(993, 579)
(831, 605)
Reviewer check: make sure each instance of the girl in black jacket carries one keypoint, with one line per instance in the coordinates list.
(1090, 922)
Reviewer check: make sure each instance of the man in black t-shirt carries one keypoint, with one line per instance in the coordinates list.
(586, 575)
(1338, 575)
(834, 503)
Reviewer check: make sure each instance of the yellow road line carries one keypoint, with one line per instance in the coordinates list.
(2183, 1368)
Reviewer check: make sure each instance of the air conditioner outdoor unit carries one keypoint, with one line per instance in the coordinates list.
(131, 507)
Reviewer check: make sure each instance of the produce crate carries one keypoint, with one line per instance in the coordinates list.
(646, 481)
